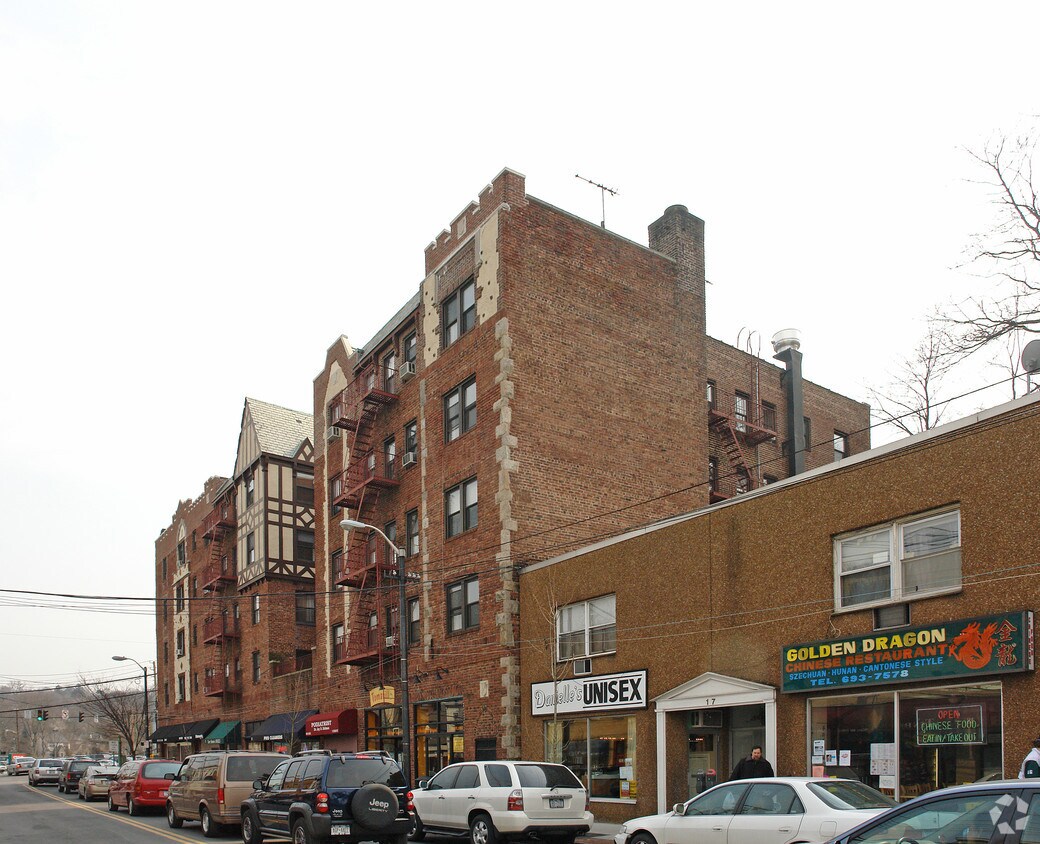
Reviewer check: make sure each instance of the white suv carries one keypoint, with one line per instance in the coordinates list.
(499, 800)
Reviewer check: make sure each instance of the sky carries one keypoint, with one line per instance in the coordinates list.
(198, 198)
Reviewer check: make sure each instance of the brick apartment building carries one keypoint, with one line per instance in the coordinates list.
(235, 595)
(544, 387)
(829, 618)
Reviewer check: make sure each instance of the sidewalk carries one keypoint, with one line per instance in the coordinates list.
(600, 832)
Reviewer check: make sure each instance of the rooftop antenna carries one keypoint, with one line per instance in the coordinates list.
(603, 191)
(1031, 362)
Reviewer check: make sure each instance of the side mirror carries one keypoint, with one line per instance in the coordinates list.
(423, 783)
(172, 777)
(258, 785)
(679, 808)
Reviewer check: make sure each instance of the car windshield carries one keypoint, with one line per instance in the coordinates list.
(50, 763)
(249, 768)
(158, 770)
(848, 795)
(546, 776)
(354, 773)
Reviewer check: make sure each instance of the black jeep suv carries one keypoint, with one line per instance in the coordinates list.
(341, 797)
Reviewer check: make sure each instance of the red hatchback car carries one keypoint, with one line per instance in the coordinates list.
(141, 784)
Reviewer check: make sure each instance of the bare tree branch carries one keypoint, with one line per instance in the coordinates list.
(122, 709)
(911, 400)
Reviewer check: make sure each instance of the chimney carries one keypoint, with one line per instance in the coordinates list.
(785, 348)
(680, 236)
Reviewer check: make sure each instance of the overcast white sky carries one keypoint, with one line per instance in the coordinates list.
(197, 198)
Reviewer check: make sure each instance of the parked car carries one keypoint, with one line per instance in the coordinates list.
(495, 800)
(71, 771)
(95, 782)
(775, 810)
(210, 787)
(1003, 811)
(21, 765)
(351, 797)
(45, 770)
(141, 784)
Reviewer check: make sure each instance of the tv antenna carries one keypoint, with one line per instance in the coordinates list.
(603, 191)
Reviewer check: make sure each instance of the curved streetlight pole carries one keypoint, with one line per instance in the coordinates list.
(402, 640)
(144, 670)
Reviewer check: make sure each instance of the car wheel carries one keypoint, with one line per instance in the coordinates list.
(131, 807)
(643, 838)
(172, 819)
(299, 833)
(250, 829)
(482, 830)
(418, 832)
(112, 807)
(210, 828)
(79, 794)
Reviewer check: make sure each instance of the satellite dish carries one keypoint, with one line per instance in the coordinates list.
(1031, 356)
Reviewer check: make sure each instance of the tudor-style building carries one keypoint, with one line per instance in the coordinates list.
(235, 594)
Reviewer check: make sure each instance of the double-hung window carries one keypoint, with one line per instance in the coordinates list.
(460, 410)
(305, 547)
(741, 405)
(411, 532)
(460, 508)
(390, 373)
(411, 438)
(463, 605)
(587, 628)
(413, 621)
(390, 458)
(841, 445)
(305, 608)
(901, 561)
(256, 609)
(339, 644)
(459, 313)
(408, 348)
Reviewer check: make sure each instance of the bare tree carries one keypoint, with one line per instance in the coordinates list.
(121, 708)
(911, 400)
(1009, 253)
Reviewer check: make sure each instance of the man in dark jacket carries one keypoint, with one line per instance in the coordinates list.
(753, 767)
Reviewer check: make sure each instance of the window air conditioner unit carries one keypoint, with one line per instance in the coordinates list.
(706, 718)
(333, 433)
(582, 666)
(408, 458)
(407, 370)
(180, 651)
(391, 641)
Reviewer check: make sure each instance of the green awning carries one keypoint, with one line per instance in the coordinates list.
(219, 734)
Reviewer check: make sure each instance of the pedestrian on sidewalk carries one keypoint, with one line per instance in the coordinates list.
(754, 766)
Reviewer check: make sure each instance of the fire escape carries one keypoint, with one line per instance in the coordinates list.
(220, 629)
(371, 469)
(740, 425)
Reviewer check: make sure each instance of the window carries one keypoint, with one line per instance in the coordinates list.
(902, 561)
(194, 586)
(458, 313)
(460, 507)
(250, 489)
(463, 605)
(335, 491)
(390, 373)
(251, 548)
(372, 546)
(711, 394)
(339, 648)
(411, 533)
(768, 416)
(178, 600)
(305, 490)
(600, 747)
(305, 547)
(408, 348)
(743, 480)
(165, 653)
(841, 445)
(713, 474)
(587, 628)
(182, 692)
(180, 643)
(336, 563)
(390, 458)
(305, 608)
(391, 620)
(741, 403)
(256, 666)
(195, 634)
(166, 694)
(182, 554)
(164, 569)
(195, 682)
(414, 631)
(194, 542)
(256, 609)
(768, 479)
(411, 440)
(460, 410)
(165, 610)
(807, 427)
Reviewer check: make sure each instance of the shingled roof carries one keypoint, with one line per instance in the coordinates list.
(279, 430)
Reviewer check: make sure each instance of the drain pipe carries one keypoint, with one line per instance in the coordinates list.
(785, 348)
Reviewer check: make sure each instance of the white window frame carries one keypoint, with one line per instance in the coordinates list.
(895, 561)
(587, 650)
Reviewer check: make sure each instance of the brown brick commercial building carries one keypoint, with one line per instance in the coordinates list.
(871, 617)
(544, 387)
(235, 596)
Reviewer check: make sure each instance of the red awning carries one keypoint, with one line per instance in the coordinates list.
(332, 723)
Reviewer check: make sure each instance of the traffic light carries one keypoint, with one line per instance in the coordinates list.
(39, 714)
(46, 714)
(81, 717)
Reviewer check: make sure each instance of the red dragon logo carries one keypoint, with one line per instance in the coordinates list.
(972, 647)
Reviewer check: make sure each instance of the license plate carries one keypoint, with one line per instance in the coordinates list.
(555, 802)
(340, 829)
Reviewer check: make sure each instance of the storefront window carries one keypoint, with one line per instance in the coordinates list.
(439, 737)
(383, 730)
(946, 736)
(600, 751)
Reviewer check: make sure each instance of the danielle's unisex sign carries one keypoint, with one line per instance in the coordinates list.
(590, 694)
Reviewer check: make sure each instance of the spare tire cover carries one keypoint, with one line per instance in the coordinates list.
(374, 805)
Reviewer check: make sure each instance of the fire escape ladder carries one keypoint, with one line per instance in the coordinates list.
(734, 451)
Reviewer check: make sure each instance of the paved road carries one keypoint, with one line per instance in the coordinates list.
(43, 816)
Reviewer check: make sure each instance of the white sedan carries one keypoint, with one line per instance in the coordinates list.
(777, 810)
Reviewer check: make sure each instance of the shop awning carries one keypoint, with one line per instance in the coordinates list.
(219, 734)
(280, 727)
(165, 733)
(342, 723)
(194, 730)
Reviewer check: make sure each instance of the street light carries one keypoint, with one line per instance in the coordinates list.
(145, 671)
(402, 634)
